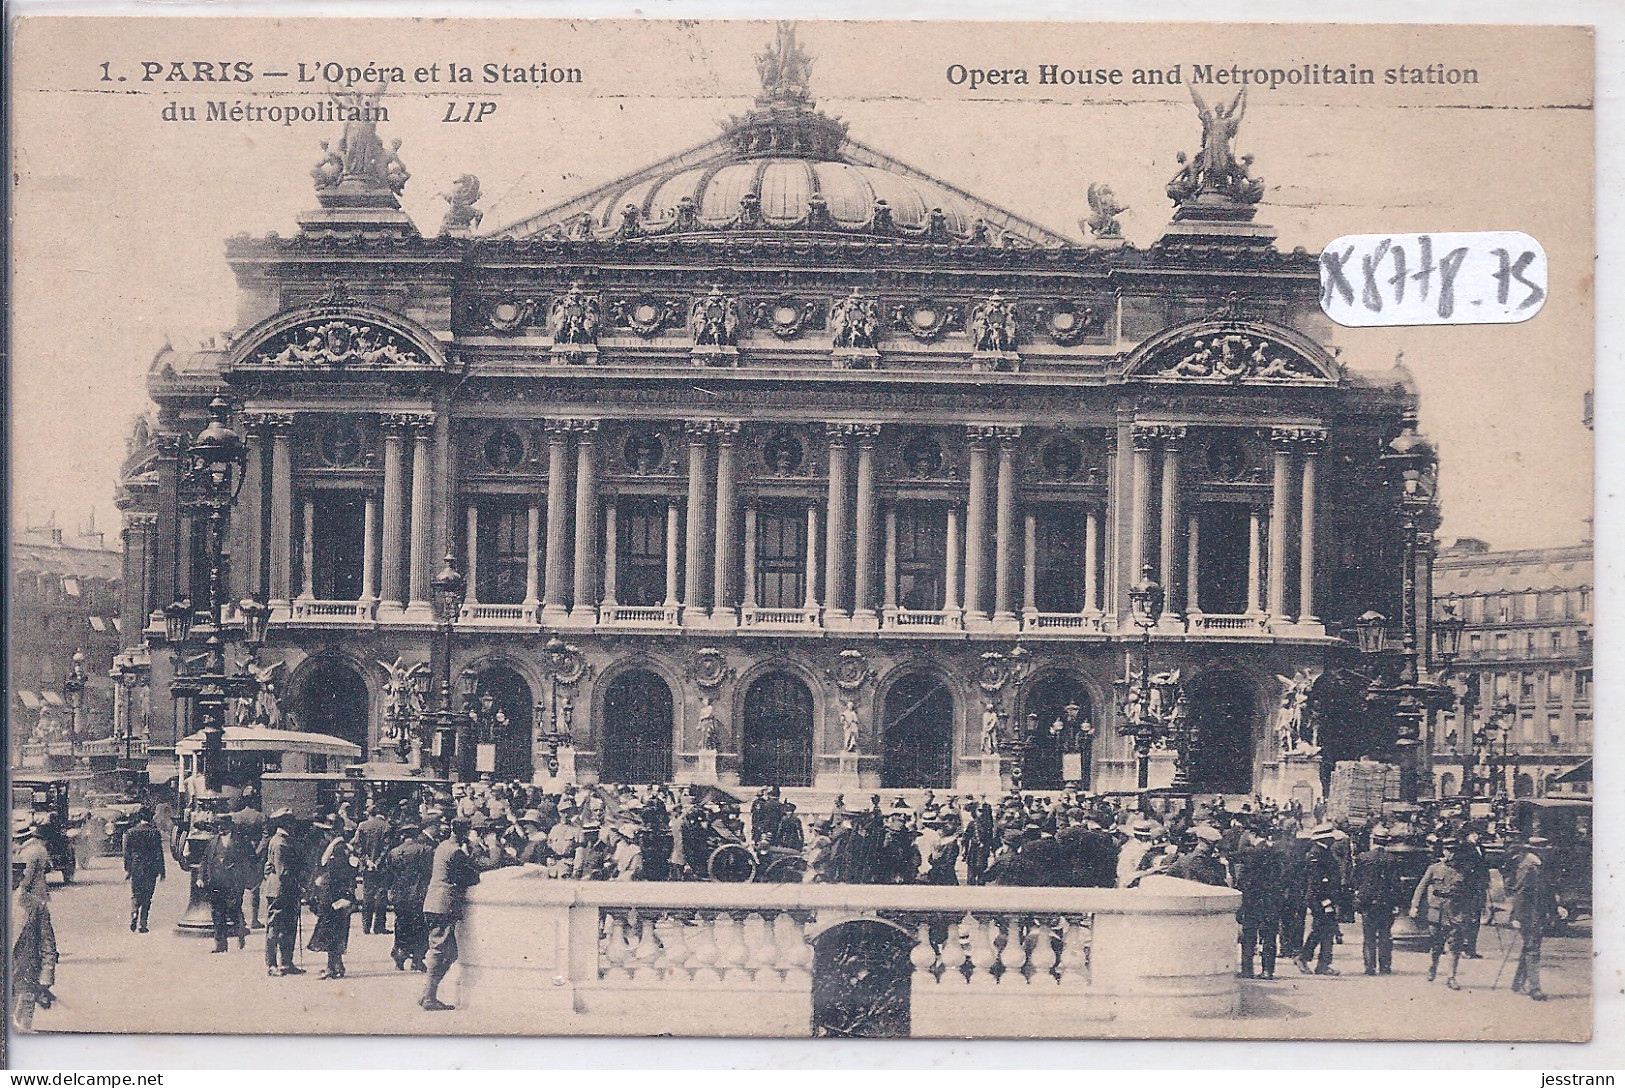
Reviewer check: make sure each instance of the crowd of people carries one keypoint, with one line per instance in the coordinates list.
(411, 859)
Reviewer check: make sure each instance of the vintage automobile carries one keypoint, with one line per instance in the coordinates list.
(45, 801)
(1567, 823)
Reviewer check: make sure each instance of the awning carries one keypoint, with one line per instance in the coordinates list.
(52, 698)
(1578, 773)
(30, 699)
(240, 738)
(97, 623)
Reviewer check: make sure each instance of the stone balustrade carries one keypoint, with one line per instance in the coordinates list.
(547, 956)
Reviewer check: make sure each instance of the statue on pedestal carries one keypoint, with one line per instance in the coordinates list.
(710, 732)
(849, 725)
(992, 729)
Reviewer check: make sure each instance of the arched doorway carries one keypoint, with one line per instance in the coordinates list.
(1447, 785)
(777, 740)
(918, 737)
(1523, 786)
(1053, 707)
(505, 721)
(1223, 711)
(333, 700)
(637, 729)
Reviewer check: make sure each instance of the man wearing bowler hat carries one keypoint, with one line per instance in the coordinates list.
(453, 872)
(407, 870)
(1529, 892)
(283, 891)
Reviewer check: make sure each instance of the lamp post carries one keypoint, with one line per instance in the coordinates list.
(448, 590)
(557, 656)
(73, 691)
(1499, 728)
(1148, 707)
(211, 477)
(1400, 687)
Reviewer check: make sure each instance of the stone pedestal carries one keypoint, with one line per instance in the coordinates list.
(846, 776)
(567, 767)
(1293, 777)
(986, 777)
(705, 767)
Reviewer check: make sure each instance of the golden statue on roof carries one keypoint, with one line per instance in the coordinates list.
(786, 71)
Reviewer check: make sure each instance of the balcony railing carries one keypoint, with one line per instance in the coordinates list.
(746, 959)
(779, 617)
(1080, 622)
(311, 609)
(630, 615)
(1203, 623)
(498, 615)
(944, 619)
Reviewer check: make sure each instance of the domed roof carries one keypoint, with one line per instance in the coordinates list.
(784, 166)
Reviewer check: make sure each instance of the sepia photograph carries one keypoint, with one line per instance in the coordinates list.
(803, 529)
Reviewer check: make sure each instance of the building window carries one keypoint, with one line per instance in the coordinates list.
(1061, 560)
(1553, 730)
(1475, 644)
(1582, 686)
(1503, 687)
(781, 557)
(640, 552)
(1554, 688)
(1582, 730)
(339, 523)
(1557, 643)
(1222, 558)
(504, 550)
(1526, 690)
(922, 552)
(1526, 725)
(1501, 643)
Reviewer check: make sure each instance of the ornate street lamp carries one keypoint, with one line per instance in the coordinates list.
(1372, 631)
(556, 653)
(73, 691)
(1147, 713)
(256, 621)
(447, 589)
(1447, 630)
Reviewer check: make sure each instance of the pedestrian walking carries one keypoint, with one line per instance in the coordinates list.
(332, 898)
(1444, 897)
(1323, 890)
(1530, 895)
(33, 943)
(453, 872)
(407, 870)
(283, 890)
(143, 867)
(1378, 896)
(228, 863)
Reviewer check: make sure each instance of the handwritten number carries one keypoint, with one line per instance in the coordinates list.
(1448, 267)
(1333, 264)
(1372, 295)
(107, 76)
(1515, 271)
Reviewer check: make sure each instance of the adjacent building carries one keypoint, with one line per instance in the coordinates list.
(1525, 667)
(826, 471)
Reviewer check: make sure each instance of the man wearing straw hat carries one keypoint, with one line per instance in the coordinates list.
(283, 893)
(33, 944)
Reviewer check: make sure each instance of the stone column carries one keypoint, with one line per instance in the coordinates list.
(471, 553)
(554, 593)
(863, 612)
(394, 566)
(281, 424)
(725, 557)
(369, 550)
(1193, 542)
(976, 526)
(835, 535)
(583, 601)
(1254, 607)
(246, 556)
(1312, 441)
(533, 547)
(699, 456)
(1029, 565)
(1004, 527)
(889, 578)
(673, 528)
(1091, 563)
(1279, 498)
(1167, 557)
(747, 592)
(422, 511)
(1140, 510)
(611, 546)
(950, 593)
(307, 551)
(811, 604)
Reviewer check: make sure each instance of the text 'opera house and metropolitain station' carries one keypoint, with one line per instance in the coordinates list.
(783, 462)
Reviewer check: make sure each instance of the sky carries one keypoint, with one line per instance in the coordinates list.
(121, 216)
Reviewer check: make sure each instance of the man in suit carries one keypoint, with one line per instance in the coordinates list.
(372, 841)
(1530, 895)
(1260, 880)
(228, 862)
(407, 870)
(282, 891)
(1445, 898)
(452, 873)
(33, 940)
(1378, 896)
(143, 867)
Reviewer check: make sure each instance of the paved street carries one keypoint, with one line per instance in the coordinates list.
(113, 980)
